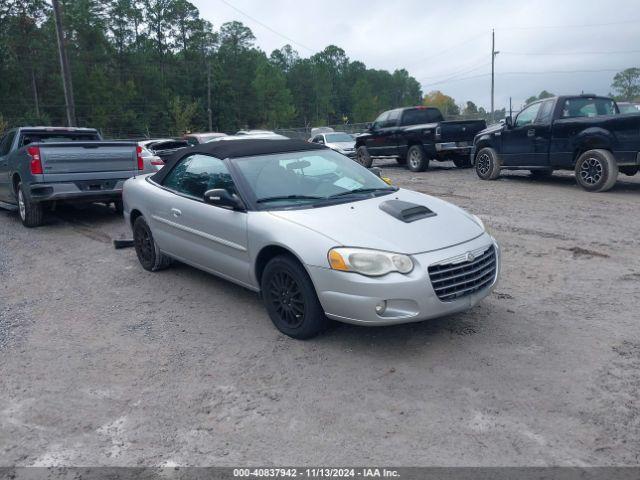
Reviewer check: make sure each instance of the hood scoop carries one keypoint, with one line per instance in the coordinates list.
(405, 211)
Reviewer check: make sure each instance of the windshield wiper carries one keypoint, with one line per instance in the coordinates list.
(364, 190)
(289, 197)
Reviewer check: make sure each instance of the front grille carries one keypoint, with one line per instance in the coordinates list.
(454, 280)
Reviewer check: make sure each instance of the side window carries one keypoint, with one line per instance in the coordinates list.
(528, 115)
(392, 119)
(192, 141)
(318, 139)
(196, 174)
(5, 146)
(382, 118)
(546, 112)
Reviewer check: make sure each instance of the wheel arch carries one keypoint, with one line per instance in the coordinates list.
(592, 139)
(15, 180)
(135, 214)
(268, 252)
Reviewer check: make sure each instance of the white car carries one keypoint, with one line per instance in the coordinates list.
(339, 141)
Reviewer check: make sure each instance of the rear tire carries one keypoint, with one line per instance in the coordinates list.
(290, 298)
(417, 160)
(147, 250)
(31, 213)
(487, 164)
(596, 170)
(363, 157)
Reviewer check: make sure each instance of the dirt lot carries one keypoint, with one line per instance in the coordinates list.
(103, 363)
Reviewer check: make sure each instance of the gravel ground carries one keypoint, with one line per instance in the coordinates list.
(103, 363)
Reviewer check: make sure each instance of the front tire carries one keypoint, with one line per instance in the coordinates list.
(31, 213)
(596, 170)
(290, 298)
(487, 164)
(417, 160)
(363, 157)
(147, 251)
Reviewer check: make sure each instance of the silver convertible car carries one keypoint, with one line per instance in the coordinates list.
(316, 234)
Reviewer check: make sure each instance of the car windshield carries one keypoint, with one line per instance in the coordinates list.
(338, 137)
(310, 178)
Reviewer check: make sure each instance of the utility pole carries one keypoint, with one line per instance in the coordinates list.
(510, 109)
(493, 61)
(209, 96)
(67, 86)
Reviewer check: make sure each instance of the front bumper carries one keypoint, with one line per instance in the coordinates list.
(352, 298)
(84, 191)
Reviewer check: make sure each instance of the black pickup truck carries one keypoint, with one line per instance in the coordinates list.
(584, 133)
(416, 135)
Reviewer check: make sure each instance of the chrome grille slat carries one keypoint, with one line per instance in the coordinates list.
(454, 280)
(484, 264)
(456, 266)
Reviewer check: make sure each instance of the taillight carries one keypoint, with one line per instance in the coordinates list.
(139, 157)
(158, 162)
(36, 162)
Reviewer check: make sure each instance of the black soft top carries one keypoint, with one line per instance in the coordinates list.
(237, 149)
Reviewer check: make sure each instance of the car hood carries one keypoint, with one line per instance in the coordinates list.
(363, 224)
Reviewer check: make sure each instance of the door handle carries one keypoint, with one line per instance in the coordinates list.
(175, 212)
(531, 133)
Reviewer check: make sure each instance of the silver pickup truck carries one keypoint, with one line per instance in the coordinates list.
(40, 166)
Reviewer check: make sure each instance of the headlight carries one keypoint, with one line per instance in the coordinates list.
(368, 262)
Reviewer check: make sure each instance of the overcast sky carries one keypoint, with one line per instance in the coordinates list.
(443, 43)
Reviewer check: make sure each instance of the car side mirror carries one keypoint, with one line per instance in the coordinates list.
(222, 198)
(508, 121)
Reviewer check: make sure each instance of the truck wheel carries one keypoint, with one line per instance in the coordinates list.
(487, 164)
(149, 255)
(31, 213)
(462, 162)
(541, 173)
(290, 298)
(596, 170)
(417, 160)
(363, 157)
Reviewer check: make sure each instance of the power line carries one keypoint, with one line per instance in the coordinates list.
(447, 50)
(267, 26)
(528, 27)
(573, 53)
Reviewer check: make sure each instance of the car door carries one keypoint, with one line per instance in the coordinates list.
(206, 236)
(376, 140)
(390, 143)
(542, 138)
(6, 142)
(518, 147)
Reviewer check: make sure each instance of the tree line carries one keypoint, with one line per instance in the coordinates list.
(145, 67)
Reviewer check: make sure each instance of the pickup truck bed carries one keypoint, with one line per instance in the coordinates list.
(43, 165)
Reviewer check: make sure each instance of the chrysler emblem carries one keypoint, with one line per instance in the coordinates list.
(470, 257)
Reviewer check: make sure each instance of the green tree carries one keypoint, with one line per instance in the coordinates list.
(626, 84)
(274, 101)
(182, 113)
(470, 108)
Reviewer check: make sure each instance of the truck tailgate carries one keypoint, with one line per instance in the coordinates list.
(88, 157)
(460, 130)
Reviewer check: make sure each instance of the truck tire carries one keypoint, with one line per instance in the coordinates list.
(363, 157)
(417, 160)
(149, 255)
(541, 173)
(462, 162)
(596, 170)
(487, 164)
(31, 213)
